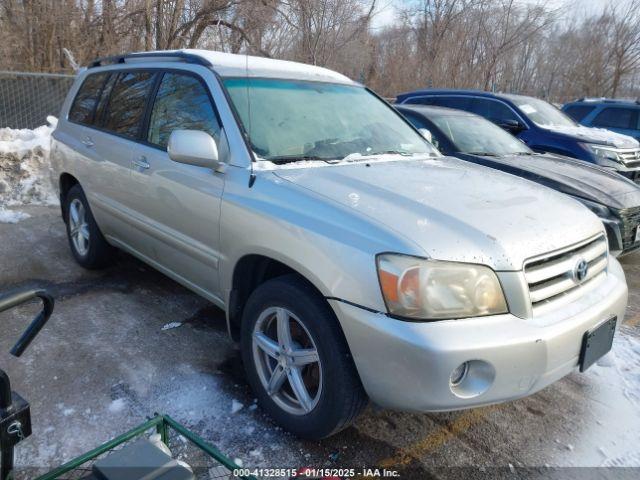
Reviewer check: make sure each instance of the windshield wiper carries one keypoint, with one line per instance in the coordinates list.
(389, 152)
(297, 158)
(483, 154)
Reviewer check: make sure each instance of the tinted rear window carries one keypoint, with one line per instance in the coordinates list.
(578, 112)
(127, 103)
(460, 103)
(83, 107)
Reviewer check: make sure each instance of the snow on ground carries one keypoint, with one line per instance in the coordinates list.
(25, 171)
(11, 216)
(626, 359)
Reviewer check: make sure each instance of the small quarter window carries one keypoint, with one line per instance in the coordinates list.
(84, 105)
(182, 103)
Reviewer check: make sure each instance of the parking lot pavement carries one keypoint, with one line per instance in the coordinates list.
(127, 341)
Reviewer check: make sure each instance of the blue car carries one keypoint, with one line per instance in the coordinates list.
(541, 126)
(622, 116)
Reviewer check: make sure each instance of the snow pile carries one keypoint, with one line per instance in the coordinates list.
(25, 171)
(626, 352)
(10, 216)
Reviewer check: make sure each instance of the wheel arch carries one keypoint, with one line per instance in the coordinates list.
(66, 182)
(251, 271)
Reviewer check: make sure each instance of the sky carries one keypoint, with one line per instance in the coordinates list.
(386, 9)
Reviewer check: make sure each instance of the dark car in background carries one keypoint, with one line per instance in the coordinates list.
(622, 116)
(613, 198)
(541, 126)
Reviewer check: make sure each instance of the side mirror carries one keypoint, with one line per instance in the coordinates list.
(512, 126)
(426, 134)
(194, 147)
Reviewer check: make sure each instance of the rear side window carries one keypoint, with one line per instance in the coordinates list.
(493, 110)
(616, 118)
(459, 103)
(104, 99)
(84, 105)
(127, 103)
(182, 102)
(579, 112)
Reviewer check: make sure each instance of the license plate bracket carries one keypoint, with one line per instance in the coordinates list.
(597, 342)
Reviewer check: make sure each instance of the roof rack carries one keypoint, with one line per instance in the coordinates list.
(609, 100)
(182, 56)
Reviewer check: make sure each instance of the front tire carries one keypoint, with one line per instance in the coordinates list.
(297, 360)
(88, 245)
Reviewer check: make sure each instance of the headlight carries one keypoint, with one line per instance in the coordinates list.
(600, 210)
(602, 152)
(419, 288)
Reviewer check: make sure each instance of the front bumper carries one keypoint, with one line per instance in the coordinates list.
(407, 365)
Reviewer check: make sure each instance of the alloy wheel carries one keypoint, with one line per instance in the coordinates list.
(78, 227)
(287, 361)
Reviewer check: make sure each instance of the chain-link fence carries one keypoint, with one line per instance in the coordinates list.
(27, 98)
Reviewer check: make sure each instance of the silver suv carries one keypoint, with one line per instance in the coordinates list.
(352, 260)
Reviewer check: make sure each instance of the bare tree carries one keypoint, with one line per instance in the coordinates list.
(506, 45)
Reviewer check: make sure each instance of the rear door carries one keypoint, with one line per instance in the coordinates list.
(118, 126)
(180, 204)
(78, 133)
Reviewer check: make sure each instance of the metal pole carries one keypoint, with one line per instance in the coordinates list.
(6, 464)
(5, 390)
(6, 454)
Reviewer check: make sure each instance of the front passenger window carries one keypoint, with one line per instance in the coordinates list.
(493, 110)
(182, 103)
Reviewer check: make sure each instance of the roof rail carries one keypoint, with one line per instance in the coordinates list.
(182, 56)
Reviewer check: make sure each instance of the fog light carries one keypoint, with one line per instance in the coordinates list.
(459, 373)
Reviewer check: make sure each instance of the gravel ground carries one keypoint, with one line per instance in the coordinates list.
(127, 342)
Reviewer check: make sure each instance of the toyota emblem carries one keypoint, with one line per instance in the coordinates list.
(580, 271)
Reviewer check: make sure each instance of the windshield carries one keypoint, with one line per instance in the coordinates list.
(542, 113)
(473, 134)
(289, 120)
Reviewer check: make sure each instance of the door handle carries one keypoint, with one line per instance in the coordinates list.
(141, 162)
(87, 142)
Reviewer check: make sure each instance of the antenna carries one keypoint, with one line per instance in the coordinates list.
(252, 175)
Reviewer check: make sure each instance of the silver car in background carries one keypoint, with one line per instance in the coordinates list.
(352, 260)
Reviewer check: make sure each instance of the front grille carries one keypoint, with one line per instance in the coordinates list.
(630, 220)
(552, 276)
(630, 157)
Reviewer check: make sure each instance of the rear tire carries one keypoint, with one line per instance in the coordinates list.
(88, 245)
(315, 388)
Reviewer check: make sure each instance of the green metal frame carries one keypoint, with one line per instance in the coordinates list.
(162, 424)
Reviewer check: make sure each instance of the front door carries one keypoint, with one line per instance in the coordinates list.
(180, 204)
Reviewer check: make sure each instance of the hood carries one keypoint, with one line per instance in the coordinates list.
(594, 135)
(566, 175)
(454, 210)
